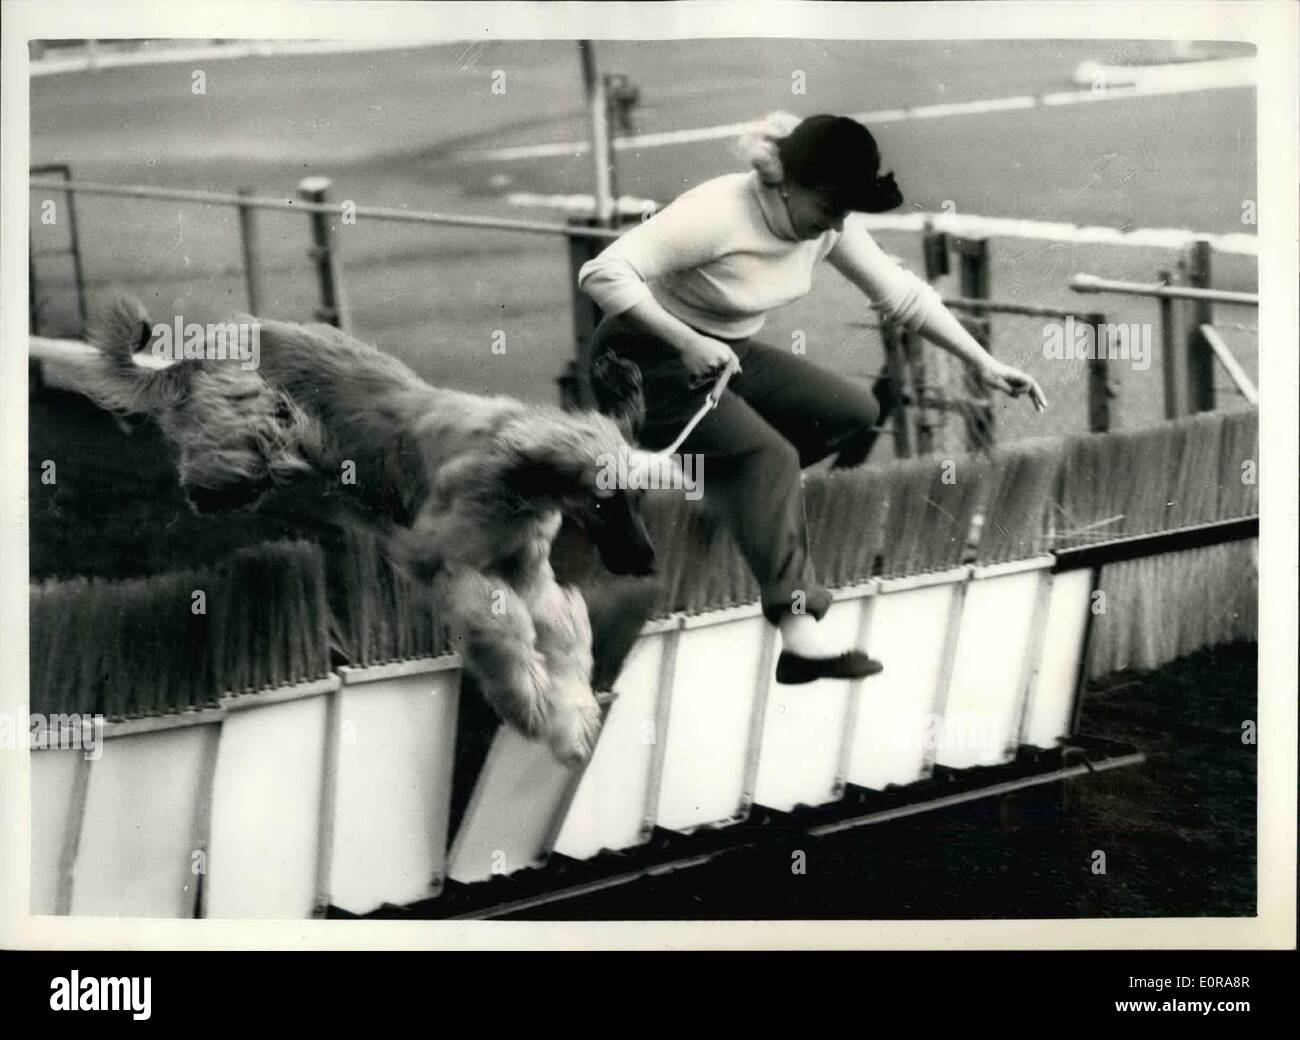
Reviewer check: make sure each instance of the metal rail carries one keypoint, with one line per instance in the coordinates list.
(963, 303)
(1179, 539)
(1090, 283)
(389, 213)
(1234, 369)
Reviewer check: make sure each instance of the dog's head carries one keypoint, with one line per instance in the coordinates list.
(613, 522)
(577, 463)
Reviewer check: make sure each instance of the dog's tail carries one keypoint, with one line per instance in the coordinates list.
(117, 382)
(235, 435)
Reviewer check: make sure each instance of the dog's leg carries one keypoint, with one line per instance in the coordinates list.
(564, 639)
(492, 630)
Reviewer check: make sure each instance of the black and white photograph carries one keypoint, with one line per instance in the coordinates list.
(676, 466)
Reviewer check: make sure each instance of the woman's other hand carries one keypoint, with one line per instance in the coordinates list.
(1013, 382)
(706, 359)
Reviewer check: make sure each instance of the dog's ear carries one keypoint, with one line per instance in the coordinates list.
(616, 385)
(543, 461)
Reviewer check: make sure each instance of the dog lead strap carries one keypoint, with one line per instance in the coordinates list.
(710, 403)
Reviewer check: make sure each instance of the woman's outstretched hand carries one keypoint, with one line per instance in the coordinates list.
(706, 359)
(1013, 382)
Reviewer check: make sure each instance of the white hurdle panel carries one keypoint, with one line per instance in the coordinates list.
(395, 750)
(60, 782)
(714, 707)
(614, 807)
(983, 709)
(141, 848)
(525, 804)
(913, 631)
(1050, 710)
(514, 812)
(268, 810)
(801, 750)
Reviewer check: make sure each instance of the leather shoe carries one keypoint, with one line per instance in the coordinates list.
(792, 668)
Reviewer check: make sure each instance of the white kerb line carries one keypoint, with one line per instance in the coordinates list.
(1211, 76)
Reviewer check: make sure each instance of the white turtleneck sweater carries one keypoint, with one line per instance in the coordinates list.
(723, 254)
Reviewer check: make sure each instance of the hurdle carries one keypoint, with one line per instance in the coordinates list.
(245, 774)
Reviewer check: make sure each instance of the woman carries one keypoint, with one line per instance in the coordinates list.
(685, 293)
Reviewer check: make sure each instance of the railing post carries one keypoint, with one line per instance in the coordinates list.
(1099, 391)
(895, 376)
(74, 247)
(601, 150)
(1200, 359)
(1168, 351)
(973, 260)
(923, 384)
(973, 272)
(331, 310)
(930, 374)
(575, 383)
(934, 249)
(249, 245)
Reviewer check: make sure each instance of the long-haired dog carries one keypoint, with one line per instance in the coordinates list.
(469, 491)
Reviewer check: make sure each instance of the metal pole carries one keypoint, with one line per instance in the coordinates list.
(74, 246)
(601, 150)
(331, 310)
(248, 243)
(1212, 339)
(1090, 283)
(1168, 352)
(1200, 359)
(390, 213)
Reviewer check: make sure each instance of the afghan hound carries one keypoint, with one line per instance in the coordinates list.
(468, 491)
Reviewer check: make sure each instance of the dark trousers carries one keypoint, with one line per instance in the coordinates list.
(780, 414)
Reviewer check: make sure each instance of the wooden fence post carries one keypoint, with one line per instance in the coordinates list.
(973, 271)
(930, 371)
(1168, 351)
(1099, 390)
(331, 310)
(895, 375)
(1200, 359)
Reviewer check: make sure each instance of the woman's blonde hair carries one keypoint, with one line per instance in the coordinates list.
(758, 147)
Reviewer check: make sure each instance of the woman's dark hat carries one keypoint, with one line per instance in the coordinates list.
(838, 155)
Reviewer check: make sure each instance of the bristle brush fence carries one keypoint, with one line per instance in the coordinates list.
(243, 777)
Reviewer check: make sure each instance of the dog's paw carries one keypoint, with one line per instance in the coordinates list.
(573, 732)
(519, 695)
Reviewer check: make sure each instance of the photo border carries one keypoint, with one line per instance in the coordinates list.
(1271, 27)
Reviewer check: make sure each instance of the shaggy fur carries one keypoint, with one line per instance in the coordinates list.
(469, 491)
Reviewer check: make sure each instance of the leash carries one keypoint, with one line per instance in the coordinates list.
(710, 403)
